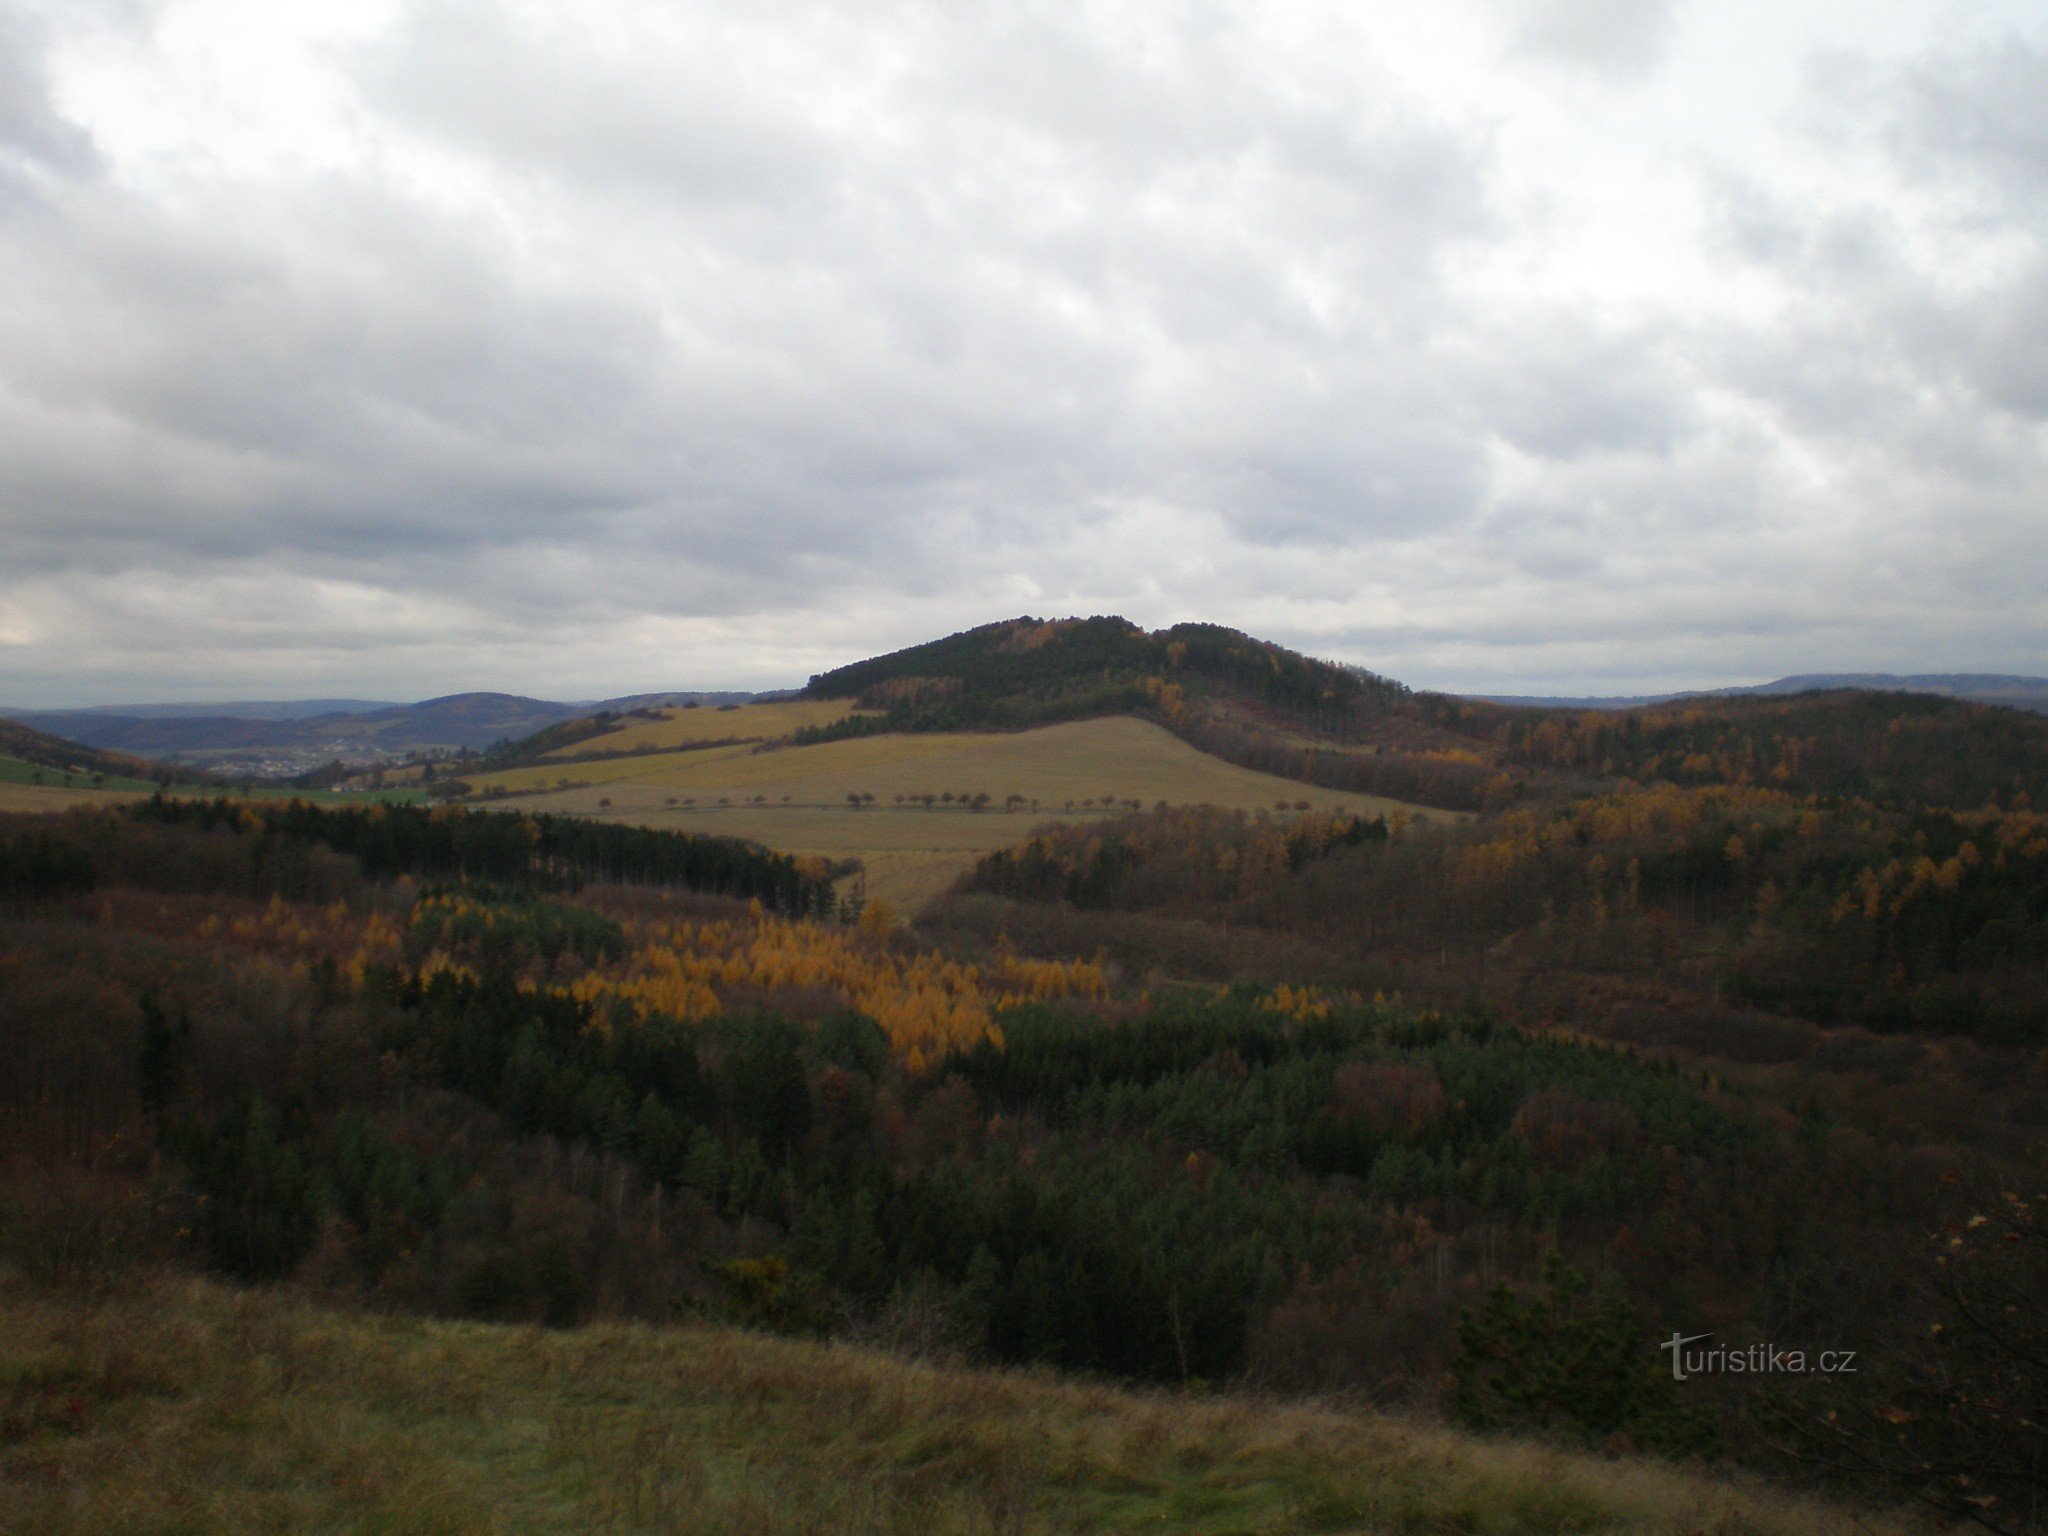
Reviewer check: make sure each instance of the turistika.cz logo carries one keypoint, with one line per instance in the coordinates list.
(1754, 1360)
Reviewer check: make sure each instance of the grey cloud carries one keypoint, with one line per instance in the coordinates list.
(1886, 336)
(724, 345)
(1565, 386)
(1344, 494)
(31, 128)
(1986, 108)
(1621, 38)
(676, 125)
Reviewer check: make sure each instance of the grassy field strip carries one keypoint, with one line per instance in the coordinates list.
(15, 770)
(1120, 758)
(50, 797)
(194, 1408)
(681, 727)
(907, 861)
(741, 766)
(794, 798)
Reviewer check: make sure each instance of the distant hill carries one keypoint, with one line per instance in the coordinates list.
(1265, 707)
(1246, 700)
(2029, 693)
(1032, 672)
(290, 737)
(251, 709)
(42, 750)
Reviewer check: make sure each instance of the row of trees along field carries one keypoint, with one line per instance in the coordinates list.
(510, 1103)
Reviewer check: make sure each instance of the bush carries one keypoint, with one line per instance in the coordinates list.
(1572, 1363)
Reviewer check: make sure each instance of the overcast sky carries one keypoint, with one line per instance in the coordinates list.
(395, 349)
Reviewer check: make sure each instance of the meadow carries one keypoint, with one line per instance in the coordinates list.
(18, 796)
(25, 786)
(795, 799)
(188, 1406)
(15, 770)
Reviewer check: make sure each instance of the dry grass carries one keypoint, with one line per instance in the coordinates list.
(51, 797)
(684, 727)
(194, 1409)
(794, 798)
(908, 856)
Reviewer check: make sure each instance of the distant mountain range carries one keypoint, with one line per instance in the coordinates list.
(2029, 693)
(295, 736)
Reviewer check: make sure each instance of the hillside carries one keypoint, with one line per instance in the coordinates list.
(1251, 702)
(1267, 708)
(60, 757)
(932, 802)
(877, 761)
(1898, 749)
(1740, 921)
(193, 1407)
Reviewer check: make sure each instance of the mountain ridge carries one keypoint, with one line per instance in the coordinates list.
(2012, 690)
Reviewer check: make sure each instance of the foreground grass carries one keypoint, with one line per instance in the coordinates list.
(195, 1409)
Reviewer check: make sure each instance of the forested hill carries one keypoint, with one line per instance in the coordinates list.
(53, 752)
(1273, 709)
(1030, 671)
(1897, 749)
(1245, 700)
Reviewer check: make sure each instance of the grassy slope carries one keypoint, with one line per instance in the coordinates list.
(57, 792)
(16, 770)
(1086, 759)
(40, 749)
(193, 1408)
(38, 798)
(912, 854)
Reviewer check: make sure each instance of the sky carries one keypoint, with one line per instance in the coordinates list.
(394, 348)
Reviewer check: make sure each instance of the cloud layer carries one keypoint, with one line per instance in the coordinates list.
(580, 349)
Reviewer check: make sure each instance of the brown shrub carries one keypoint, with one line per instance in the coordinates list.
(1566, 1130)
(1388, 1338)
(1392, 1097)
(83, 1227)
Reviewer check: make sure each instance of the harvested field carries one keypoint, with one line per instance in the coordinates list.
(796, 798)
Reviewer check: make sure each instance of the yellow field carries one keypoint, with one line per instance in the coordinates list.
(684, 727)
(909, 856)
(50, 797)
(794, 798)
